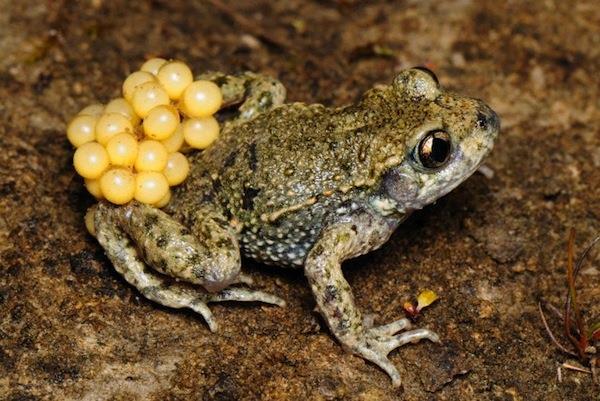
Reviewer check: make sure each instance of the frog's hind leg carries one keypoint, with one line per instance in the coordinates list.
(255, 93)
(124, 254)
(207, 254)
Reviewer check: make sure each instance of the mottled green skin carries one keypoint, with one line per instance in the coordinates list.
(300, 185)
(284, 175)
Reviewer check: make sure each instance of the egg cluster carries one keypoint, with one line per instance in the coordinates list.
(130, 148)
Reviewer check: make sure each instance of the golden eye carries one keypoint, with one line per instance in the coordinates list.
(434, 149)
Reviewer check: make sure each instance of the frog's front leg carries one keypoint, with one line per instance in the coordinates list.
(136, 237)
(335, 301)
(255, 93)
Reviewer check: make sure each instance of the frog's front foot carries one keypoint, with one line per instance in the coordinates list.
(374, 344)
(334, 296)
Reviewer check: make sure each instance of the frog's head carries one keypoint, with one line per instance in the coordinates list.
(445, 138)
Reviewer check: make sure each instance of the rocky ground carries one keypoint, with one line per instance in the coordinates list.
(72, 329)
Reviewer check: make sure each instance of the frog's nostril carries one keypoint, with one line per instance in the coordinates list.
(488, 120)
(495, 121)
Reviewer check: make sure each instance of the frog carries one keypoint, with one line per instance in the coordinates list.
(302, 186)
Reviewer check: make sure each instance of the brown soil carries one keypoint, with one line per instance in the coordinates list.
(72, 329)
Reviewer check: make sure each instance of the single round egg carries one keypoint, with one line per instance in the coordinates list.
(152, 156)
(200, 133)
(89, 221)
(111, 124)
(201, 99)
(90, 160)
(94, 110)
(123, 107)
(164, 201)
(93, 187)
(161, 122)
(118, 185)
(82, 129)
(147, 96)
(175, 76)
(122, 150)
(133, 81)
(177, 168)
(174, 142)
(153, 65)
(150, 187)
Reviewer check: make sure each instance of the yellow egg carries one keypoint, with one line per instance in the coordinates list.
(123, 107)
(200, 133)
(147, 96)
(122, 150)
(82, 129)
(153, 65)
(175, 77)
(150, 187)
(89, 221)
(152, 156)
(118, 185)
(109, 125)
(177, 168)
(174, 142)
(95, 110)
(164, 201)
(133, 81)
(93, 187)
(201, 99)
(161, 122)
(90, 160)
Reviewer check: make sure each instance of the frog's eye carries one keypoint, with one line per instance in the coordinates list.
(434, 149)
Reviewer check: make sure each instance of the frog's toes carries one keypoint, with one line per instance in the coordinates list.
(203, 310)
(376, 343)
(391, 328)
(183, 295)
(177, 295)
(246, 295)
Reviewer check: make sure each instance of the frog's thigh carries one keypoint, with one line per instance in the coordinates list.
(124, 257)
(208, 256)
(334, 296)
(256, 93)
(155, 287)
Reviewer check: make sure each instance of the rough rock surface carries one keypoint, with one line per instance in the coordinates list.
(72, 329)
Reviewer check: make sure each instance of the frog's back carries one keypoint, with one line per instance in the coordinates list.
(282, 160)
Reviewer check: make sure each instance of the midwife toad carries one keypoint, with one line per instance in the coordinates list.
(306, 186)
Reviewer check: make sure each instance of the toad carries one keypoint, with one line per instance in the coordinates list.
(301, 186)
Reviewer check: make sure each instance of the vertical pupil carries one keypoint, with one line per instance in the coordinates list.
(439, 149)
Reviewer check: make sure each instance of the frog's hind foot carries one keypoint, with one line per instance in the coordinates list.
(377, 342)
(183, 295)
(246, 295)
